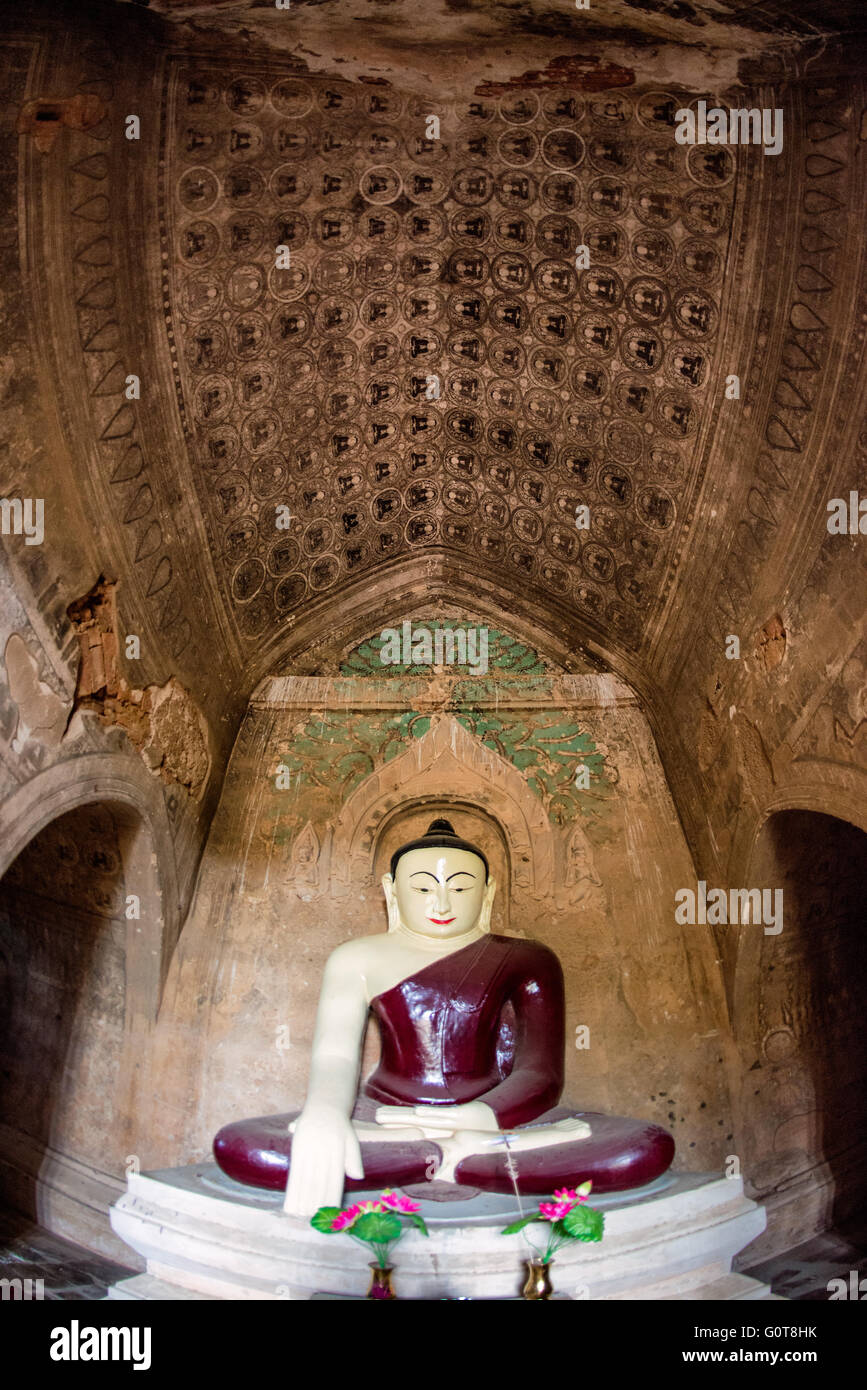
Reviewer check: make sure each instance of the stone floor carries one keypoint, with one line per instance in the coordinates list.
(69, 1271)
(804, 1271)
(72, 1273)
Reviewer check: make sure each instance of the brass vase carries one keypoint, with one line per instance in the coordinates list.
(380, 1283)
(538, 1283)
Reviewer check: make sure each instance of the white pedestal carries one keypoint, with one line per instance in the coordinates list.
(204, 1236)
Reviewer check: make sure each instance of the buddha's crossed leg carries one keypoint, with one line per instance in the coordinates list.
(617, 1153)
(458, 1144)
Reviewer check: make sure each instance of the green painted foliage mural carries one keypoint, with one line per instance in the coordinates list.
(506, 655)
(334, 751)
(547, 748)
(337, 750)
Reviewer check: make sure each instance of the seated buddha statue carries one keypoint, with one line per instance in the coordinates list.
(471, 1068)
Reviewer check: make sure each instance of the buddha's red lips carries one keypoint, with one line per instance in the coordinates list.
(442, 921)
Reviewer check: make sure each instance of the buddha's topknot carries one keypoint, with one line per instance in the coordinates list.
(440, 833)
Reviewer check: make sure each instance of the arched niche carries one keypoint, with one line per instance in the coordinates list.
(447, 766)
(64, 1151)
(809, 784)
(798, 1023)
(67, 1175)
(150, 856)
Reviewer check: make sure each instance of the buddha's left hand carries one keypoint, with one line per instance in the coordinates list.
(474, 1114)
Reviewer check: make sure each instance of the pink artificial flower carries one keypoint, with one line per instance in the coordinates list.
(564, 1200)
(554, 1211)
(574, 1195)
(345, 1218)
(398, 1203)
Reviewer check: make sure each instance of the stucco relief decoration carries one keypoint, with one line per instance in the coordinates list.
(580, 874)
(303, 867)
(837, 731)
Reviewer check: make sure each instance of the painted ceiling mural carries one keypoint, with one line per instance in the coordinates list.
(427, 370)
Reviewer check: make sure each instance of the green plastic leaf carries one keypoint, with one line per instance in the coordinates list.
(519, 1225)
(583, 1223)
(323, 1220)
(417, 1221)
(377, 1226)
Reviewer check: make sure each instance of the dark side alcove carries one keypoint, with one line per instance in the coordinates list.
(799, 1018)
(72, 908)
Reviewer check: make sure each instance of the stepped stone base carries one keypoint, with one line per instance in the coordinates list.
(204, 1236)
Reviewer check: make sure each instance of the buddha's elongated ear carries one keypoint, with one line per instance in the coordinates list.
(487, 904)
(391, 902)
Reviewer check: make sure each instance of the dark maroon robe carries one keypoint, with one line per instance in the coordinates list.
(484, 1023)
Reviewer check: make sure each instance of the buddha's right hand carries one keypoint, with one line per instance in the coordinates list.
(325, 1150)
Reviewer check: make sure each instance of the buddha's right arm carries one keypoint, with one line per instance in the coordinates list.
(337, 1038)
(324, 1145)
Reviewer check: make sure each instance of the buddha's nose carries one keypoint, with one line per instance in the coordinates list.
(441, 898)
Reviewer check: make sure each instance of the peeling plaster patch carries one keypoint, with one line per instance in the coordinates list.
(434, 47)
(771, 644)
(44, 117)
(163, 723)
(673, 9)
(166, 727)
(589, 74)
(42, 714)
(755, 768)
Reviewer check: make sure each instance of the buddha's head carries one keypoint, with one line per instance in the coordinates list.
(439, 885)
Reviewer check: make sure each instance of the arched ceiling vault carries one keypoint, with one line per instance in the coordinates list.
(328, 628)
(373, 372)
(427, 373)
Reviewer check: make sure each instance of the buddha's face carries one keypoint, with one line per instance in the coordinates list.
(440, 891)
